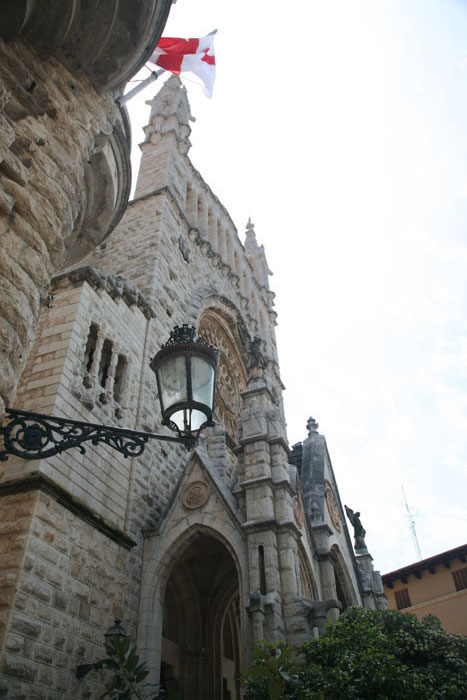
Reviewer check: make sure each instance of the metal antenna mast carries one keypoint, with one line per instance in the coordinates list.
(411, 516)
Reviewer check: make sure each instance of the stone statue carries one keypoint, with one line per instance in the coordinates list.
(316, 514)
(358, 529)
(243, 333)
(257, 362)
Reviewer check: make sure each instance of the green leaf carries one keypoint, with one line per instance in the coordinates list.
(140, 675)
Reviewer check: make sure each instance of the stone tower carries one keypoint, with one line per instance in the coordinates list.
(64, 146)
(198, 554)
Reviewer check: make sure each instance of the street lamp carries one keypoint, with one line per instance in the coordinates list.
(113, 633)
(185, 371)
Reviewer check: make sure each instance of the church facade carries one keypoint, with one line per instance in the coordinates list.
(197, 553)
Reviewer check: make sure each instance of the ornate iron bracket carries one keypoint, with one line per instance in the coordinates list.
(37, 436)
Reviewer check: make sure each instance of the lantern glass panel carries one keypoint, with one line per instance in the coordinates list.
(197, 419)
(172, 380)
(188, 419)
(202, 381)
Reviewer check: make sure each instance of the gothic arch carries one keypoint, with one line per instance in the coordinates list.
(307, 583)
(197, 596)
(162, 580)
(344, 587)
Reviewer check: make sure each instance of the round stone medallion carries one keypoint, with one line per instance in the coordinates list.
(195, 495)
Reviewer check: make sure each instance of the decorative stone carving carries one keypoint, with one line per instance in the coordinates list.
(298, 511)
(316, 514)
(311, 426)
(115, 286)
(333, 508)
(231, 374)
(195, 495)
(257, 362)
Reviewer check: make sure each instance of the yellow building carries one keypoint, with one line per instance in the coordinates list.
(433, 586)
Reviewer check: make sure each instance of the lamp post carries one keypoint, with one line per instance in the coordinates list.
(185, 371)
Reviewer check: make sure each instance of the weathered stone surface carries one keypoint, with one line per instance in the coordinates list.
(19, 668)
(53, 169)
(26, 626)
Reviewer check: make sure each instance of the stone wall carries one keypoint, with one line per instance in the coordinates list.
(64, 581)
(56, 380)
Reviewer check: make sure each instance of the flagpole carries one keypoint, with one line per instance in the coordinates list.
(123, 99)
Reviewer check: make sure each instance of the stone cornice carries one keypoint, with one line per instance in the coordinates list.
(115, 286)
(266, 480)
(42, 483)
(277, 526)
(321, 527)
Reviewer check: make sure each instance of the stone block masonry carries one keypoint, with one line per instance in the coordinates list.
(57, 173)
(63, 584)
(68, 377)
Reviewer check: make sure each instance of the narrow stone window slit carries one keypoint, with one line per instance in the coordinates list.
(90, 347)
(262, 570)
(120, 372)
(104, 365)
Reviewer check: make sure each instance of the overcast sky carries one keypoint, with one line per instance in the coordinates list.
(339, 126)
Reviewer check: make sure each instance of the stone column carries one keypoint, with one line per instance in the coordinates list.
(321, 532)
(268, 499)
(192, 207)
(202, 215)
(109, 384)
(212, 229)
(230, 259)
(94, 369)
(221, 240)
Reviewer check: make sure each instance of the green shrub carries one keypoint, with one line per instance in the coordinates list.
(366, 655)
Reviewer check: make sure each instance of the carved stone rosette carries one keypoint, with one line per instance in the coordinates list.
(195, 495)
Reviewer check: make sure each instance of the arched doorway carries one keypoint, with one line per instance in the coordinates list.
(201, 624)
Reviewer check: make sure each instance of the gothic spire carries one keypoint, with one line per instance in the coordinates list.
(170, 111)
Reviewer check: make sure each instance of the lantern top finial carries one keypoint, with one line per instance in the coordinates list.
(186, 334)
(181, 334)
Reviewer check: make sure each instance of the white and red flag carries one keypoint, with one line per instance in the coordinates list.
(194, 55)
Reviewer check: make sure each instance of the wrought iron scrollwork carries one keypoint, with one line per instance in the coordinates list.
(36, 436)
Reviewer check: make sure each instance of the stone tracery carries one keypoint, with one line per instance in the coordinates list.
(231, 373)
